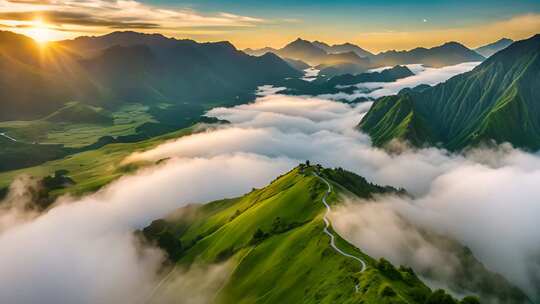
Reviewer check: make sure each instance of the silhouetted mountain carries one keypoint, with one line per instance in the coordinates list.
(31, 77)
(260, 52)
(388, 75)
(335, 63)
(127, 66)
(184, 73)
(496, 101)
(449, 53)
(492, 48)
(348, 58)
(303, 50)
(342, 48)
(92, 45)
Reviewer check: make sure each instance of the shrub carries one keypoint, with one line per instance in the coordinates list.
(388, 270)
(258, 237)
(440, 297)
(387, 291)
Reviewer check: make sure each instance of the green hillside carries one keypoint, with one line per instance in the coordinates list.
(279, 252)
(89, 170)
(496, 101)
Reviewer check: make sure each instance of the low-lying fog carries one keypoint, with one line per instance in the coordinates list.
(84, 251)
(422, 75)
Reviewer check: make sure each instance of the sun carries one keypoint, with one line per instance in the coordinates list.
(40, 32)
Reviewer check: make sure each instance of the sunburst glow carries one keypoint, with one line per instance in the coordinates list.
(40, 31)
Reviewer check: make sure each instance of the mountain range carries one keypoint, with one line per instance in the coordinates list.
(450, 53)
(125, 67)
(352, 59)
(495, 102)
(343, 48)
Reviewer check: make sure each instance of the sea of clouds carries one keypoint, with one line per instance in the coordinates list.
(83, 250)
(422, 75)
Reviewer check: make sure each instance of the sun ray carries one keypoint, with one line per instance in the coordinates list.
(40, 31)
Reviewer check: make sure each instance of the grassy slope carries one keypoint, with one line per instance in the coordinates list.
(292, 262)
(78, 125)
(395, 117)
(496, 101)
(92, 169)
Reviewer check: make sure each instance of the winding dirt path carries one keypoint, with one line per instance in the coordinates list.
(332, 237)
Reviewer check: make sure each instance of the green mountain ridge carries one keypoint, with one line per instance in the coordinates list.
(279, 252)
(495, 102)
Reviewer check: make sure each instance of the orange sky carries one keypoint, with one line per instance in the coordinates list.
(55, 20)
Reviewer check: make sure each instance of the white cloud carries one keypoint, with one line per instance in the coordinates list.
(310, 74)
(486, 199)
(423, 75)
(99, 15)
(83, 251)
(458, 192)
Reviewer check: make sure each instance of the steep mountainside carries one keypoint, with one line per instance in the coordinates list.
(194, 73)
(498, 100)
(276, 234)
(126, 66)
(492, 48)
(449, 53)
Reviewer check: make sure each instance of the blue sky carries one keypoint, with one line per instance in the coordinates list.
(361, 12)
(375, 25)
(371, 16)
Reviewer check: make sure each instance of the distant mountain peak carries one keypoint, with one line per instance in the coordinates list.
(449, 53)
(504, 39)
(492, 48)
(453, 43)
(133, 33)
(300, 42)
(321, 43)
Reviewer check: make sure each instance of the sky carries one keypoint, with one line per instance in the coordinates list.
(374, 25)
